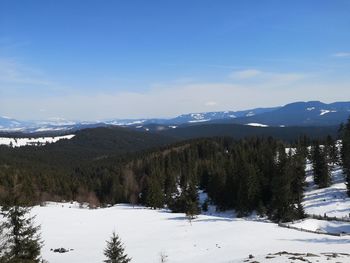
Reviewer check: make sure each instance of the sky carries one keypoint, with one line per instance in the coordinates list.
(103, 59)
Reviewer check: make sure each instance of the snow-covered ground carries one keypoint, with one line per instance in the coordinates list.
(146, 233)
(332, 201)
(212, 237)
(335, 227)
(19, 142)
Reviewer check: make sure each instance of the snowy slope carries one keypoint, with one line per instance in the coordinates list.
(332, 201)
(335, 227)
(9, 123)
(146, 233)
(212, 237)
(19, 142)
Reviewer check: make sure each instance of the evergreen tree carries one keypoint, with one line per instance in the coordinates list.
(282, 205)
(191, 201)
(298, 166)
(248, 187)
(21, 239)
(114, 251)
(320, 167)
(331, 151)
(153, 194)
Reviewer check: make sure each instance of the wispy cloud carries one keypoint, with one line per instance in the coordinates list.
(13, 72)
(263, 77)
(170, 101)
(245, 74)
(18, 79)
(240, 89)
(342, 55)
(211, 103)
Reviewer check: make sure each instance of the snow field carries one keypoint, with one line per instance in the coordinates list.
(19, 142)
(332, 201)
(146, 233)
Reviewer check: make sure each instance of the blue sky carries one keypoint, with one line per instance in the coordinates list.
(119, 59)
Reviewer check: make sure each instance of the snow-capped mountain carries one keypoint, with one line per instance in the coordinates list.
(311, 113)
(7, 123)
(192, 117)
(218, 115)
(51, 125)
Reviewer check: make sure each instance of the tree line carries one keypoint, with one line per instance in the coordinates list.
(252, 174)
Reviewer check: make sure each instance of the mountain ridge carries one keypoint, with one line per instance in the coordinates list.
(300, 113)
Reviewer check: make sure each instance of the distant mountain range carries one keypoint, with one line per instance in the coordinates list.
(311, 113)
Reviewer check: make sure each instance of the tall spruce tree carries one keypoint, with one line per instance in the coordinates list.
(153, 193)
(320, 166)
(191, 201)
(114, 251)
(21, 238)
(297, 168)
(282, 207)
(331, 151)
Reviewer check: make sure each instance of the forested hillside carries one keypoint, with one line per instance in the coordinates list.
(102, 166)
(245, 175)
(238, 131)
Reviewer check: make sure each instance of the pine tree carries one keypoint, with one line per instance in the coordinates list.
(115, 251)
(191, 201)
(298, 166)
(282, 204)
(320, 166)
(153, 193)
(248, 187)
(331, 151)
(192, 209)
(21, 239)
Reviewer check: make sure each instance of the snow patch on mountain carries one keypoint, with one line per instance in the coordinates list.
(51, 129)
(257, 124)
(198, 117)
(323, 112)
(125, 122)
(200, 120)
(57, 121)
(19, 142)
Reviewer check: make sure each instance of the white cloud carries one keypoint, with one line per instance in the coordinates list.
(241, 90)
(211, 103)
(264, 77)
(170, 101)
(14, 73)
(284, 78)
(342, 54)
(245, 74)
